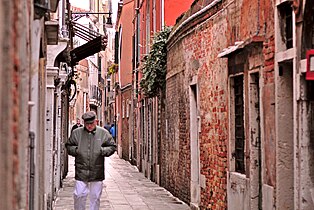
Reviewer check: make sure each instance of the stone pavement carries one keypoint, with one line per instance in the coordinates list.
(124, 188)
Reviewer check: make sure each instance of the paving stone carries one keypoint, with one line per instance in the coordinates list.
(124, 188)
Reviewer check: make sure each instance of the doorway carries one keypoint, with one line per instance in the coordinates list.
(195, 153)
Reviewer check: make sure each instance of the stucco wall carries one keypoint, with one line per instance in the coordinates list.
(6, 74)
(125, 68)
(173, 9)
(14, 97)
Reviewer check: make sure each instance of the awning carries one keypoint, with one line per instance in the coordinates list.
(96, 42)
(240, 45)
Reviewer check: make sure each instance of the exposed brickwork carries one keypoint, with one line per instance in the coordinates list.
(213, 112)
(268, 99)
(193, 52)
(198, 58)
(200, 51)
(175, 163)
(269, 64)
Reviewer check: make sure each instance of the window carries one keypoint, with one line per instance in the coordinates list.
(123, 108)
(239, 138)
(108, 86)
(286, 21)
(308, 29)
(128, 104)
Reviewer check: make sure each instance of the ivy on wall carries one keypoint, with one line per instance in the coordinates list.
(154, 65)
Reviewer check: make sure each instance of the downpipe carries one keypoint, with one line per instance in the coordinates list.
(32, 169)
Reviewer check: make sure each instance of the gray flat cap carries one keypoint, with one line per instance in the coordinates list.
(89, 117)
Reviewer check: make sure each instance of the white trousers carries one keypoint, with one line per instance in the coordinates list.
(82, 190)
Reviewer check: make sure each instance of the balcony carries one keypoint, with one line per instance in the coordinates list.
(95, 96)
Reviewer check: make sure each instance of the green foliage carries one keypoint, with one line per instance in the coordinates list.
(113, 69)
(154, 65)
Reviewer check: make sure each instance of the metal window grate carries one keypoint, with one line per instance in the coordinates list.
(286, 23)
(239, 124)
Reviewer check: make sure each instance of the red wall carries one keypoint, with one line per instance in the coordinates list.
(174, 8)
(127, 31)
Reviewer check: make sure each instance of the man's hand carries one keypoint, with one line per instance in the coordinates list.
(107, 151)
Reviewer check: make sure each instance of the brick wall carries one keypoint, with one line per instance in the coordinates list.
(268, 100)
(194, 55)
(193, 52)
(175, 163)
(213, 93)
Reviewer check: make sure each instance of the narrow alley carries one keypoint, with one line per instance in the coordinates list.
(210, 103)
(124, 188)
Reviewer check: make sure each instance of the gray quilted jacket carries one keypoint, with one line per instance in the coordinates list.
(90, 150)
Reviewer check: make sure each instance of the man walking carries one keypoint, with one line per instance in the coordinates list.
(77, 125)
(107, 126)
(113, 131)
(89, 145)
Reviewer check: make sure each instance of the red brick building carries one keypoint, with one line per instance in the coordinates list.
(237, 126)
(238, 123)
(150, 17)
(213, 117)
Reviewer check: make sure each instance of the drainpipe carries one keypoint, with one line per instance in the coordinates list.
(32, 169)
(64, 30)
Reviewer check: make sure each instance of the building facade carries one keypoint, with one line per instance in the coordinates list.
(37, 89)
(123, 75)
(25, 83)
(238, 106)
(149, 17)
(236, 128)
